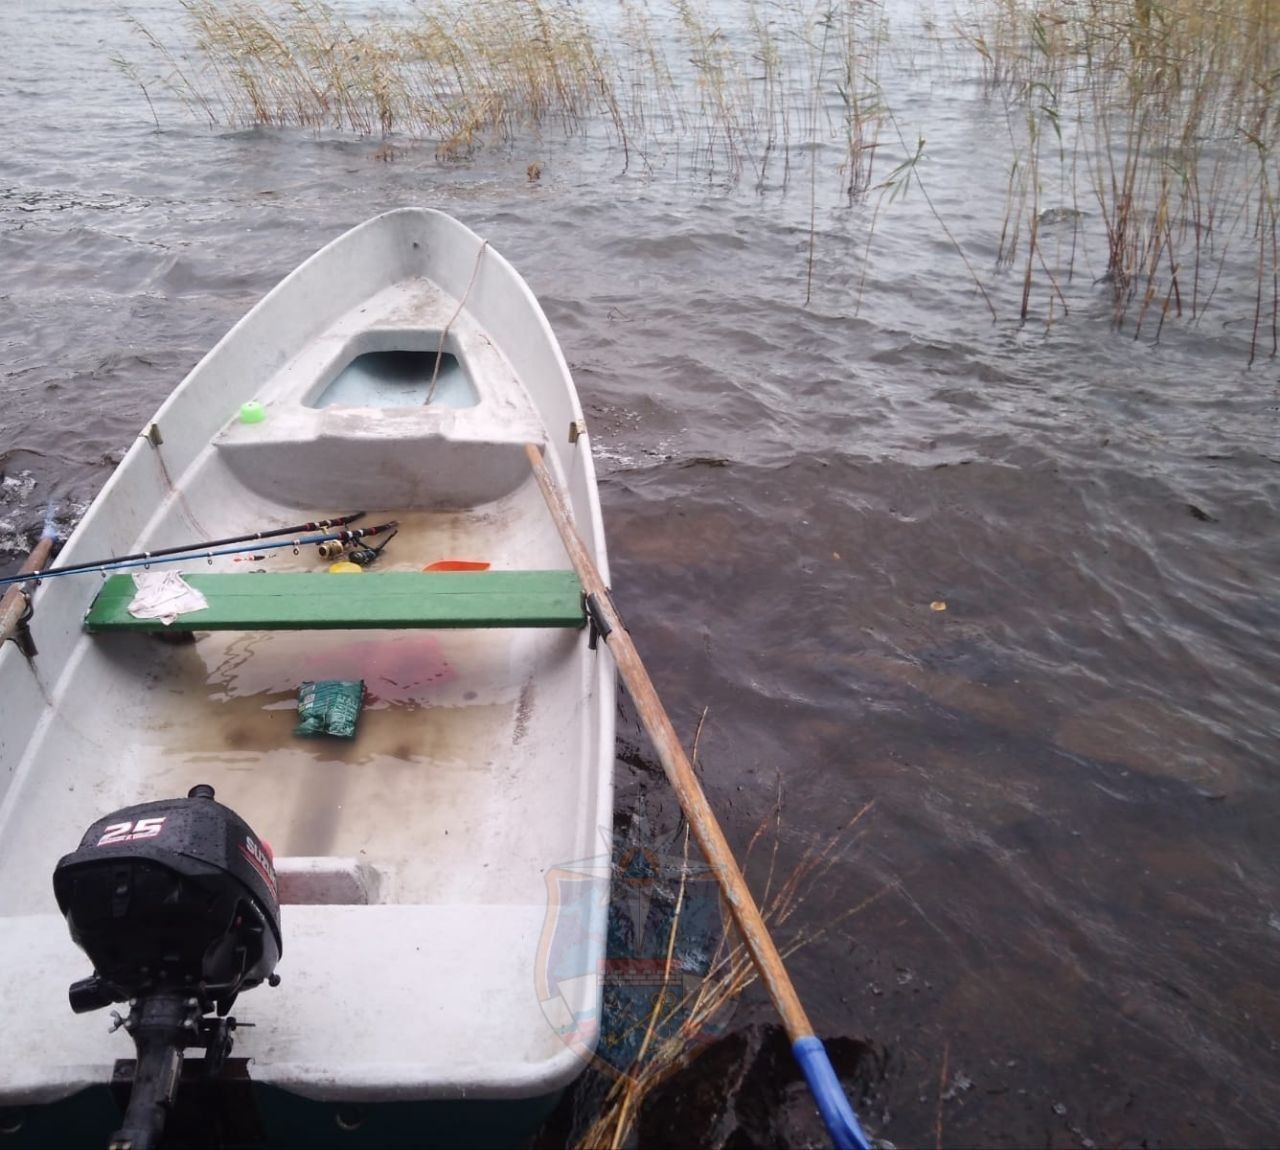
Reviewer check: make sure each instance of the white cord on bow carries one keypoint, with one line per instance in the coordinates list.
(435, 372)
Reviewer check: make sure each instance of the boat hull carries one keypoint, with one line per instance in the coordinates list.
(270, 1118)
(429, 953)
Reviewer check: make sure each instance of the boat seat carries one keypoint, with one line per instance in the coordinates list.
(326, 881)
(306, 601)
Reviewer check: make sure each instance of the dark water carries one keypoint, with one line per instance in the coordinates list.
(1073, 933)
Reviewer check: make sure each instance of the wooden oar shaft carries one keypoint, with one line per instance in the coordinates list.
(702, 820)
(14, 604)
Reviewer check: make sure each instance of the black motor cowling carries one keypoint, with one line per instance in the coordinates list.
(178, 893)
(175, 904)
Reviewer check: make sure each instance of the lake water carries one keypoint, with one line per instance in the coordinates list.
(1059, 923)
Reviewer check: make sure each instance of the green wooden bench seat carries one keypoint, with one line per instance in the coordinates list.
(308, 601)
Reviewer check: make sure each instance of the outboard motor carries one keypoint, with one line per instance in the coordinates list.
(175, 904)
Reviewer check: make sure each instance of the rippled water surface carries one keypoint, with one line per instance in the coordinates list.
(1074, 937)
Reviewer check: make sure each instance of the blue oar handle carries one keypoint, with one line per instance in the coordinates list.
(837, 1114)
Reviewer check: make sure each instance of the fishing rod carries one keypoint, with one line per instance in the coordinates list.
(297, 528)
(160, 557)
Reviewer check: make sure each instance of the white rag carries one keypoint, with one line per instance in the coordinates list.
(164, 595)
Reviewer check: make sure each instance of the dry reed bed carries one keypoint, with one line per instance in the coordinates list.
(671, 1033)
(1164, 117)
(1159, 118)
(463, 74)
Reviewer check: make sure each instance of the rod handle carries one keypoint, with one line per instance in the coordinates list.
(837, 1114)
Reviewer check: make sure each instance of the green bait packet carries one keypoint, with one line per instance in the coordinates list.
(329, 707)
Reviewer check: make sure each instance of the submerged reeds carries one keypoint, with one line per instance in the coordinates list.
(465, 74)
(1143, 135)
(452, 75)
(1163, 117)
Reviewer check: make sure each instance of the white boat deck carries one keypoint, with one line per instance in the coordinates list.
(461, 456)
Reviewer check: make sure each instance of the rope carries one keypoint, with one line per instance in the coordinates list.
(435, 372)
(173, 489)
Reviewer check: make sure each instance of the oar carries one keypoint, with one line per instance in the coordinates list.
(837, 1114)
(14, 604)
(145, 560)
(203, 548)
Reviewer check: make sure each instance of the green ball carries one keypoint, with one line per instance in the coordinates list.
(252, 412)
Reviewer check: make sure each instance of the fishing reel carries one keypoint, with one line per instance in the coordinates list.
(175, 904)
(335, 548)
(352, 552)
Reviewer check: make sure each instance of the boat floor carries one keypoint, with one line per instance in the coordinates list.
(457, 729)
(473, 777)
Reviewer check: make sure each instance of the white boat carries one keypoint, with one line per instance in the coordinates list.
(399, 371)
